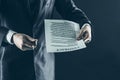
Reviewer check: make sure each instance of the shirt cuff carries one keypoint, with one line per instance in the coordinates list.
(9, 36)
(86, 24)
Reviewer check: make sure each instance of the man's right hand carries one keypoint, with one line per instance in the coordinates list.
(24, 42)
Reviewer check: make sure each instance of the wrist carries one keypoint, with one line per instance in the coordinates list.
(12, 41)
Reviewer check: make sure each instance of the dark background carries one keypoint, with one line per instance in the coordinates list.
(101, 59)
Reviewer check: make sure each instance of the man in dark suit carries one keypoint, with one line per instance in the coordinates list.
(20, 19)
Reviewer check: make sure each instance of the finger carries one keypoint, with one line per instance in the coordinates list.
(80, 35)
(33, 42)
(26, 47)
(33, 45)
(85, 35)
(88, 40)
(30, 38)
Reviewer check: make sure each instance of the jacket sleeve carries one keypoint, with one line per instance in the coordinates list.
(3, 32)
(69, 11)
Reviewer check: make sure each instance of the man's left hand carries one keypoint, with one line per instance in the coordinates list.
(85, 33)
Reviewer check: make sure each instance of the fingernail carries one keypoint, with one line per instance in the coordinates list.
(36, 42)
(33, 47)
(78, 38)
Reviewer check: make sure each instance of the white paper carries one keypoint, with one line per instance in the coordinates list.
(61, 36)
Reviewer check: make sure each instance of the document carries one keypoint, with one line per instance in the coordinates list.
(60, 36)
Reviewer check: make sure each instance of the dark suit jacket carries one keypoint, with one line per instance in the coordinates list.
(25, 16)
